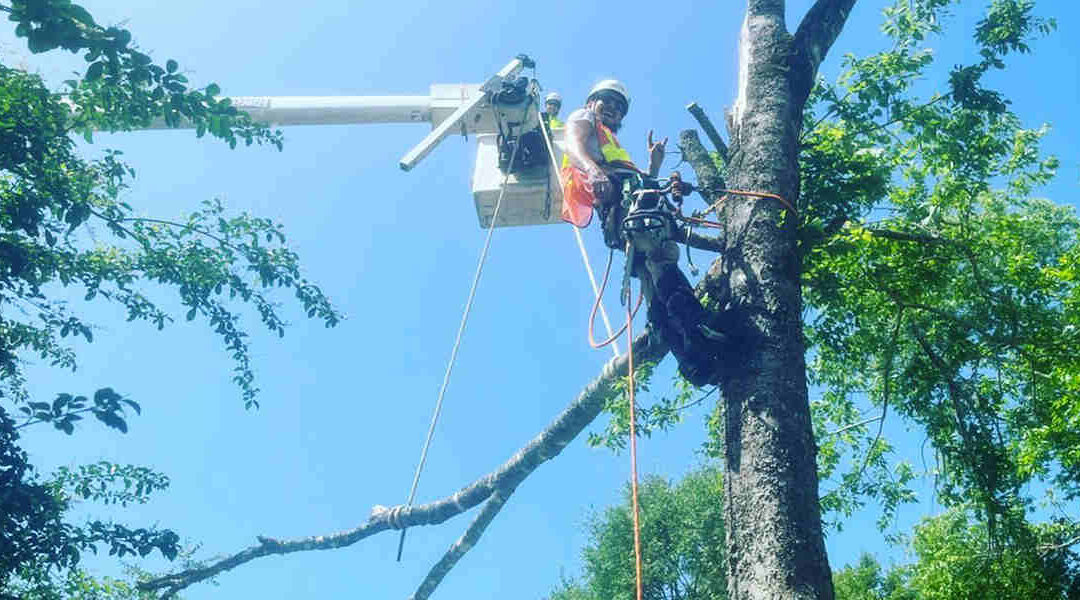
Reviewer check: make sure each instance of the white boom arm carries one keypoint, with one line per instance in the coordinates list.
(488, 111)
(450, 108)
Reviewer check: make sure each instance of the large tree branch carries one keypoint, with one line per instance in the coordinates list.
(694, 152)
(816, 34)
(463, 544)
(495, 487)
(710, 130)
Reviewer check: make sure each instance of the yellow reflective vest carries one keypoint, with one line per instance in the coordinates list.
(612, 153)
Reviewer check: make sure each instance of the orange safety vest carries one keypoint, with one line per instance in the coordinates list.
(578, 197)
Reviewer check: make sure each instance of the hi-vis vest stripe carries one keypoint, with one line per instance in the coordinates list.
(610, 149)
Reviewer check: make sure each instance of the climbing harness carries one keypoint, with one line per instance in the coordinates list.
(457, 343)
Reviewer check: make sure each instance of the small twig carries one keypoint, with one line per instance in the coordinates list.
(187, 226)
(31, 420)
(701, 399)
(854, 425)
(886, 369)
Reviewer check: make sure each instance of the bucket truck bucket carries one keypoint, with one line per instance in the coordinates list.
(531, 196)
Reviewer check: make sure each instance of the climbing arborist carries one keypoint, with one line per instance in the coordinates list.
(552, 106)
(594, 167)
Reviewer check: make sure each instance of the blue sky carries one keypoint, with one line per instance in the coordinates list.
(344, 410)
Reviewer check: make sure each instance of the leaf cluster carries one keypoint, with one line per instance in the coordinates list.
(36, 541)
(936, 284)
(69, 236)
(65, 410)
(951, 562)
(122, 87)
(683, 557)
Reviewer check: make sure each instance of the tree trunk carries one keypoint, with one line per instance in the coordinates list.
(775, 546)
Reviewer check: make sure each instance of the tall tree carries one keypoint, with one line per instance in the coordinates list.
(947, 308)
(775, 546)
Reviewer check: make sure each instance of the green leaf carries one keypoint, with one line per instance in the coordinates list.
(171, 66)
(134, 405)
(94, 71)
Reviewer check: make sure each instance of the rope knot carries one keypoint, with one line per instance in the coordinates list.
(391, 514)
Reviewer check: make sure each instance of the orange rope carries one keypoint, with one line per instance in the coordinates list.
(633, 451)
(628, 327)
(776, 197)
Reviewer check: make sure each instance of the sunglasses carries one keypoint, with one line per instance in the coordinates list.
(612, 98)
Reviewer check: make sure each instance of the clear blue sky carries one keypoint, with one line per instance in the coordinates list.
(345, 410)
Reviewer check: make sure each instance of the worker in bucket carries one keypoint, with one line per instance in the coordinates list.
(594, 165)
(552, 106)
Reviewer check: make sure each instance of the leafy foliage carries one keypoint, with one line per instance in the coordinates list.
(683, 558)
(938, 285)
(67, 231)
(34, 537)
(866, 581)
(952, 562)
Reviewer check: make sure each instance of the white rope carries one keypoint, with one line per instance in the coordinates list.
(457, 342)
(596, 288)
(580, 242)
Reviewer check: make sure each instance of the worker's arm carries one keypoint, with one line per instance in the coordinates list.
(656, 155)
(577, 133)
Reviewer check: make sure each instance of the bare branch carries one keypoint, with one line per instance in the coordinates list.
(710, 130)
(903, 236)
(463, 544)
(495, 487)
(816, 34)
(854, 425)
(1048, 548)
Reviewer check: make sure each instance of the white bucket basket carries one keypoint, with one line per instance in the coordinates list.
(532, 196)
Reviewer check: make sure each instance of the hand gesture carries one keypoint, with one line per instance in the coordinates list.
(656, 154)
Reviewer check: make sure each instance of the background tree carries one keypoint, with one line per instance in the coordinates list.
(944, 291)
(951, 561)
(682, 557)
(67, 232)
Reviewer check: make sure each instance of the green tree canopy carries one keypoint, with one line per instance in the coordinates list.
(682, 529)
(68, 231)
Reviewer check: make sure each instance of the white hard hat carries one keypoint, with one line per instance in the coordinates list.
(553, 97)
(612, 85)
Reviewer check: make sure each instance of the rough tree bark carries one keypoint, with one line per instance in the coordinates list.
(775, 547)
